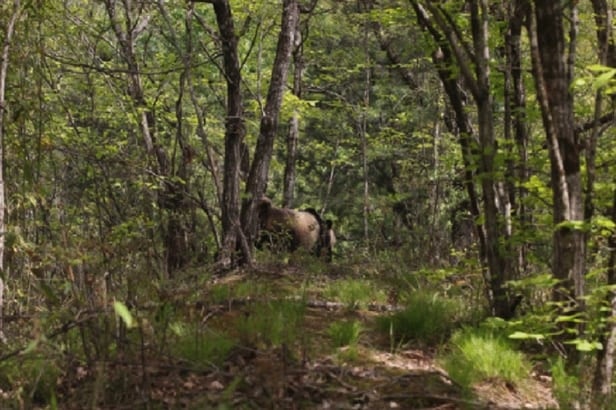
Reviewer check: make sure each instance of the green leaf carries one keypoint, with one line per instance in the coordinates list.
(122, 311)
(32, 345)
(605, 78)
(583, 345)
(523, 336)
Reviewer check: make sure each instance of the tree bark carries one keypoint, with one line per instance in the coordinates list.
(516, 127)
(257, 179)
(496, 208)
(293, 135)
(235, 131)
(4, 65)
(552, 70)
(604, 371)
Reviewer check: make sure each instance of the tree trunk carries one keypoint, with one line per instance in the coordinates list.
(552, 72)
(604, 371)
(515, 121)
(496, 207)
(172, 198)
(4, 65)
(235, 131)
(257, 178)
(444, 60)
(293, 135)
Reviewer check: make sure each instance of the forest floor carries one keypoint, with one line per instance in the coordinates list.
(303, 371)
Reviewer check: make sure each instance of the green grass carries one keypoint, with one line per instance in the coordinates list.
(272, 323)
(477, 355)
(345, 333)
(201, 347)
(427, 318)
(566, 386)
(355, 293)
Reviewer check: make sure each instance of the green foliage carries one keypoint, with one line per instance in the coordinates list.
(202, 348)
(122, 311)
(32, 380)
(566, 385)
(355, 293)
(427, 318)
(476, 355)
(273, 324)
(345, 333)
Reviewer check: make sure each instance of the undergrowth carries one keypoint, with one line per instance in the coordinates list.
(427, 318)
(476, 355)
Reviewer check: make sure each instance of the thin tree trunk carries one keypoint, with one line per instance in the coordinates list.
(363, 124)
(604, 371)
(444, 60)
(4, 65)
(173, 197)
(235, 131)
(257, 179)
(495, 203)
(293, 135)
(517, 14)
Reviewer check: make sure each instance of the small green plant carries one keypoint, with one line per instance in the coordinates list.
(35, 374)
(355, 293)
(427, 317)
(272, 323)
(201, 347)
(220, 293)
(566, 386)
(476, 355)
(345, 333)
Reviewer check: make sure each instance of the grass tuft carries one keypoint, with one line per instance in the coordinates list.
(427, 318)
(345, 333)
(203, 348)
(477, 355)
(355, 293)
(273, 323)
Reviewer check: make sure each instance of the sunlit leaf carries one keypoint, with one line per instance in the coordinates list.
(122, 311)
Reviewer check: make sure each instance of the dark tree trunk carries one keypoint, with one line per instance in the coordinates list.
(235, 131)
(552, 71)
(515, 120)
(257, 179)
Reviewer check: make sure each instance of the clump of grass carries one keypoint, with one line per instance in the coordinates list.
(566, 386)
(345, 333)
(203, 348)
(427, 318)
(272, 323)
(355, 293)
(477, 355)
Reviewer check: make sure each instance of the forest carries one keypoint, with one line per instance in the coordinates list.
(435, 179)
